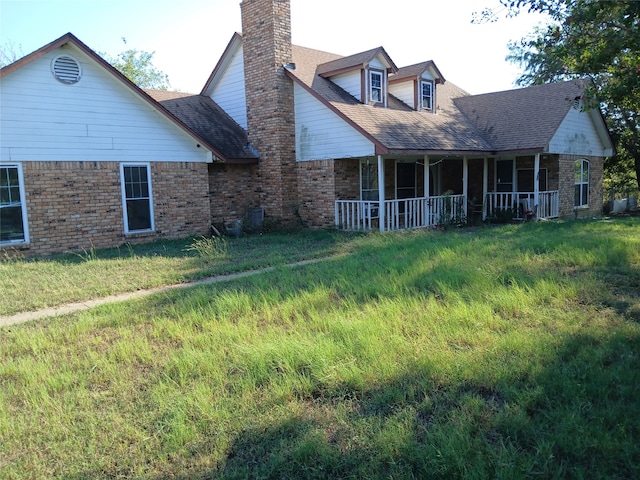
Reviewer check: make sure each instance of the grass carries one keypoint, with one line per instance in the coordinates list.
(507, 352)
(75, 277)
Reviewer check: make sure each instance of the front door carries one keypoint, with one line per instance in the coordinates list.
(405, 180)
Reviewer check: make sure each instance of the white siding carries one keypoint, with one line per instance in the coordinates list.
(577, 135)
(229, 91)
(377, 64)
(321, 134)
(96, 119)
(351, 82)
(405, 91)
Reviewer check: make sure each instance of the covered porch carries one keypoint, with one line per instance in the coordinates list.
(431, 191)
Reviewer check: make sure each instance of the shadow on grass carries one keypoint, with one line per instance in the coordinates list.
(574, 412)
(578, 417)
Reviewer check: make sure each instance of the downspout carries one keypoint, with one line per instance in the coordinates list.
(381, 195)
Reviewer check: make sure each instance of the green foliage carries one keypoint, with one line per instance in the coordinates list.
(137, 66)
(209, 247)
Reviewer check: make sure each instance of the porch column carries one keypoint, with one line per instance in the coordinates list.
(427, 208)
(381, 196)
(485, 187)
(536, 185)
(465, 184)
(426, 176)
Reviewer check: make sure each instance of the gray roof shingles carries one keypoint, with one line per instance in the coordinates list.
(520, 119)
(205, 118)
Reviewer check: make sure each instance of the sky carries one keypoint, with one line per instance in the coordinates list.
(188, 36)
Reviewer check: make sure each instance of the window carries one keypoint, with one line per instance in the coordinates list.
(581, 180)
(13, 210)
(369, 184)
(369, 180)
(136, 197)
(426, 95)
(375, 90)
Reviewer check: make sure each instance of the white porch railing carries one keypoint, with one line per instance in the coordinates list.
(399, 214)
(520, 205)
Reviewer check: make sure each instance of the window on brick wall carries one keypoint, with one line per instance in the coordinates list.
(13, 209)
(581, 183)
(136, 197)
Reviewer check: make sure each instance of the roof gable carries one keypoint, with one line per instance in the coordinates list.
(70, 39)
(522, 119)
(356, 62)
(417, 71)
(233, 47)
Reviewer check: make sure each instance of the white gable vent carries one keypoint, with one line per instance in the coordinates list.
(66, 69)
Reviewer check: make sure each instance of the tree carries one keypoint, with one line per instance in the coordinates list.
(594, 39)
(138, 67)
(9, 53)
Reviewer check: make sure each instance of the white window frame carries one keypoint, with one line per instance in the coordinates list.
(382, 86)
(424, 83)
(23, 206)
(149, 198)
(580, 182)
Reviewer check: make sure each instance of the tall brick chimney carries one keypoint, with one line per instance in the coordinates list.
(266, 31)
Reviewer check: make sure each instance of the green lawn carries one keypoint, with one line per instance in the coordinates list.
(48, 282)
(508, 352)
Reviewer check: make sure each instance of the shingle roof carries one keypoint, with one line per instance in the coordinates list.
(514, 120)
(353, 61)
(416, 70)
(525, 118)
(209, 121)
(397, 128)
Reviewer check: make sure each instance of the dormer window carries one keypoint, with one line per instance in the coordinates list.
(426, 95)
(375, 86)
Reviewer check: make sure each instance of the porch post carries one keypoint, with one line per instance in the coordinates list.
(426, 177)
(485, 187)
(381, 196)
(465, 185)
(427, 208)
(536, 185)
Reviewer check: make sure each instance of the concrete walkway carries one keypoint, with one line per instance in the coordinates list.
(86, 305)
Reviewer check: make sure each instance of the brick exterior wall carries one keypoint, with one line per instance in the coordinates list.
(347, 179)
(73, 206)
(317, 192)
(567, 189)
(233, 190)
(266, 28)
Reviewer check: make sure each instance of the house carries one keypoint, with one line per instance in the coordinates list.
(297, 134)
(87, 159)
